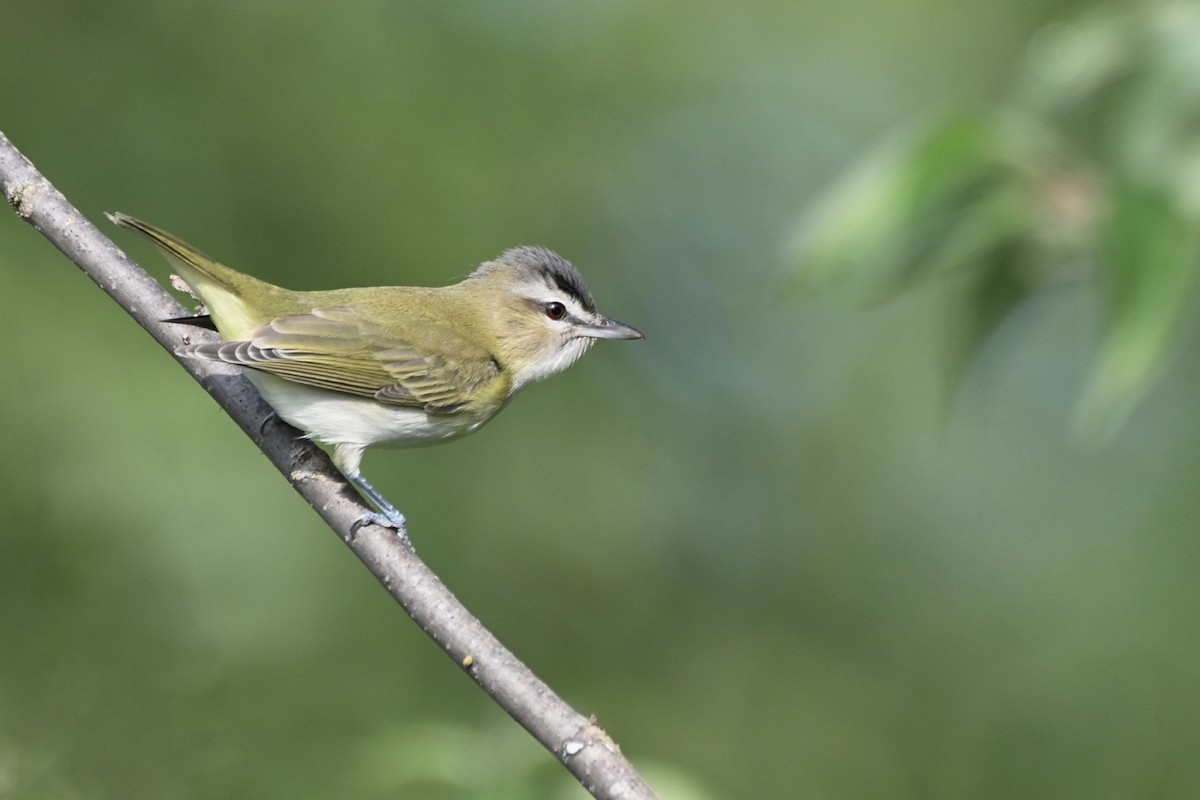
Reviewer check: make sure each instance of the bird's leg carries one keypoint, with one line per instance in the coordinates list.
(348, 458)
(388, 515)
(394, 518)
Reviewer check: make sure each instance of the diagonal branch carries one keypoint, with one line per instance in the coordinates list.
(579, 743)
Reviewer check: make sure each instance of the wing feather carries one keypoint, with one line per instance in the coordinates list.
(342, 350)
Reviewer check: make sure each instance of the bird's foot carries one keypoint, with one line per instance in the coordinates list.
(394, 520)
(388, 515)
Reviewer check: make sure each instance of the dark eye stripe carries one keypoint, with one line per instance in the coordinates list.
(573, 286)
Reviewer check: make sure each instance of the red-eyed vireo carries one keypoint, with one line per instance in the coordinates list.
(393, 365)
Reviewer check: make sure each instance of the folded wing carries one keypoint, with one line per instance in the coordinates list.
(341, 350)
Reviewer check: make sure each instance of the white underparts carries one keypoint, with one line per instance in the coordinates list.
(353, 423)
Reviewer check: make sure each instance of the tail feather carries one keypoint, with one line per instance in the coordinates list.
(197, 321)
(221, 289)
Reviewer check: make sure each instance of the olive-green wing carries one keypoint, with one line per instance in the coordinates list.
(341, 350)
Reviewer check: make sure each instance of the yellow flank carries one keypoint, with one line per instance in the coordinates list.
(220, 288)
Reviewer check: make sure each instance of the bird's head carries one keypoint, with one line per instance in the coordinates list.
(542, 313)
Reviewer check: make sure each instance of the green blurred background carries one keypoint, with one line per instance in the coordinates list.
(765, 546)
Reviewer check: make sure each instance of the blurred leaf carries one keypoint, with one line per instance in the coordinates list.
(1149, 258)
(923, 204)
(1158, 128)
(1073, 61)
(1100, 169)
(1126, 83)
(1002, 285)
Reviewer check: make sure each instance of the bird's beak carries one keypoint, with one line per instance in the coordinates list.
(610, 329)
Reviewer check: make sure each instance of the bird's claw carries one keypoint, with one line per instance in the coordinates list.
(267, 420)
(394, 521)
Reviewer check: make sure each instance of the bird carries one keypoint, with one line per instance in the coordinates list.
(392, 366)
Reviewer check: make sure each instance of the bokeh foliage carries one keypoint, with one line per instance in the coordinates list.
(757, 545)
(1087, 173)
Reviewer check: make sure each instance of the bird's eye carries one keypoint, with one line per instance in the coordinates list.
(556, 310)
